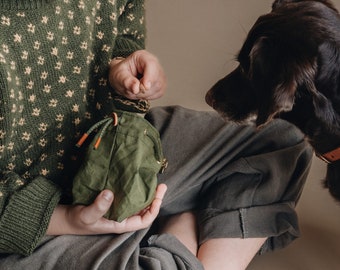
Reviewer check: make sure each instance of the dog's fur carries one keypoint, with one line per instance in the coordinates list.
(289, 67)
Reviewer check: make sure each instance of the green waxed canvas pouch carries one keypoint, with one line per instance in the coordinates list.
(126, 161)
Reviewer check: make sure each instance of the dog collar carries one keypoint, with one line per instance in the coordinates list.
(331, 156)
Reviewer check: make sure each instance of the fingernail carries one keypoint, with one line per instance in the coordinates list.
(107, 195)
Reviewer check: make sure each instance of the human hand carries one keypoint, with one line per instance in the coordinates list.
(89, 220)
(139, 76)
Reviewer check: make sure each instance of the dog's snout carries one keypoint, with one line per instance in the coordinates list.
(209, 99)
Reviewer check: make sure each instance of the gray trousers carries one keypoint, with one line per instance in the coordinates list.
(242, 183)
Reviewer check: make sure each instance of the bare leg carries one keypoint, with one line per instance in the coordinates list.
(223, 253)
(183, 227)
(229, 253)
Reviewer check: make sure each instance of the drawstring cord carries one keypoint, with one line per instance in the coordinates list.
(106, 122)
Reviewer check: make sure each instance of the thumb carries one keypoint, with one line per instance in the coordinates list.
(96, 210)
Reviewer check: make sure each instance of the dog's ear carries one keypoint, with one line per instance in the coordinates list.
(323, 107)
(281, 100)
(281, 76)
(323, 87)
(274, 81)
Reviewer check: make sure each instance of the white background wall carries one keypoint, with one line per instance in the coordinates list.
(196, 42)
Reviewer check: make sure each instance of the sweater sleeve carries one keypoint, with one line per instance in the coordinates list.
(25, 212)
(131, 29)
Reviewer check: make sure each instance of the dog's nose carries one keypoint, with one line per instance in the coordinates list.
(209, 98)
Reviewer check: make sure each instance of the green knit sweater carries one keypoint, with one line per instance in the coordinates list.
(54, 57)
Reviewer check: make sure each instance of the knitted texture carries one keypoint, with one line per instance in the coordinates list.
(54, 57)
(21, 217)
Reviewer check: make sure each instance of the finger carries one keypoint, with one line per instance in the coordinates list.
(144, 85)
(156, 204)
(160, 191)
(150, 76)
(135, 86)
(153, 89)
(146, 216)
(153, 93)
(142, 88)
(129, 87)
(92, 213)
(149, 216)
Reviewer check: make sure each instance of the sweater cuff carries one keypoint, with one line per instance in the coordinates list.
(125, 46)
(26, 217)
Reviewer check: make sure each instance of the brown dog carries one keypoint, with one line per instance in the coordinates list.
(289, 67)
